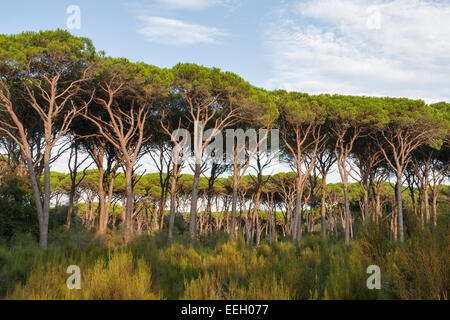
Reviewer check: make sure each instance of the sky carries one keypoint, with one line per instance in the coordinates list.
(398, 48)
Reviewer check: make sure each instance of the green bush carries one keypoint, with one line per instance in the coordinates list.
(17, 213)
(223, 269)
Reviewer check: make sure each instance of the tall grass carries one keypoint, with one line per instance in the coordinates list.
(219, 269)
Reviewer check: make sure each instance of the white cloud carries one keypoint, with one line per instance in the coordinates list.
(196, 4)
(334, 46)
(176, 32)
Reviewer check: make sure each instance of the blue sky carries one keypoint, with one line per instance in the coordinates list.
(225, 34)
(360, 47)
(397, 48)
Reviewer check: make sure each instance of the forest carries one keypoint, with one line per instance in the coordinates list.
(207, 224)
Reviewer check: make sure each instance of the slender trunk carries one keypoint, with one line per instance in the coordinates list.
(413, 200)
(427, 203)
(193, 214)
(108, 202)
(434, 194)
(379, 210)
(347, 214)
(256, 210)
(395, 221)
(129, 203)
(366, 204)
(162, 209)
(124, 201)
(323, 207)
(351, 225)
(400, 206)
(342, 158)
(420, 205)
(234, 208)
(297, 226)
(173, 190)
(258, 230)
(43, 230)
(70, 209)
(46, 205)
(101, 201)
(269, 232)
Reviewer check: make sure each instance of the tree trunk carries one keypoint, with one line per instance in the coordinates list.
(173, 190)
(108, 202)
(434, 195)
(101, 201)
(297, 226)
(347, 214)
(70, 209)
(162, 209)
(366, 204)
(129, 203)
(46, 205)
(323, 208)
(193, 214)
(427, 203)
(43, 230)
(234, 208)
(421, 208)
(400, 207)
(413, 200)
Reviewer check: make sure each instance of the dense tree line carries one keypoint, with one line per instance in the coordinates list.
(58, 95)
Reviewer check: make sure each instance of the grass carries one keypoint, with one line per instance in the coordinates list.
(149, 268)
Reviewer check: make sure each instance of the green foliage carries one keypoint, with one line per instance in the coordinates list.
(420, 267)
(115, 277)
(318, 269)
(56, 46)
(17, 213)
(150, 268)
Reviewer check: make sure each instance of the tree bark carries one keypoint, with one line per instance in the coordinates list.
(400, 206)
(173, 190)
(43, 224)
(298, 224)
(234, 207)
(194, 197)
(427, 203)
(70, 209)
(129, 203)
(347, 214)
(323, 208)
